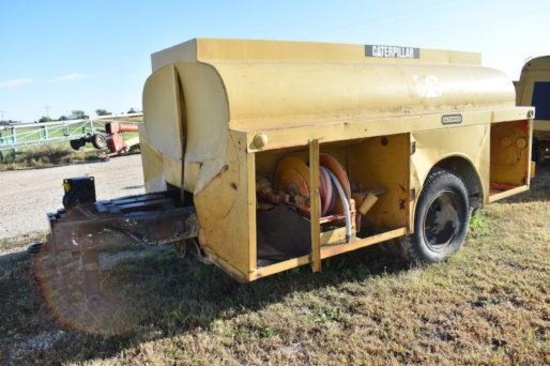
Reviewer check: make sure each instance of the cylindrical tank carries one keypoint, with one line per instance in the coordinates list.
(203, 89)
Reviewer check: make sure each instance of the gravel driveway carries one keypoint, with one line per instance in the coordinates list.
(27, 195)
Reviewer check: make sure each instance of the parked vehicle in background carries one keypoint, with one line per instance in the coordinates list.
(103, 140)
(116, 143)
(533, 89)
(77, 132)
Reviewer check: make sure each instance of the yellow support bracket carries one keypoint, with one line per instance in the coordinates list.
(315, 205)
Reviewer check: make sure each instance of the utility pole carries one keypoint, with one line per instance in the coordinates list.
(47, 111)
(2, 113)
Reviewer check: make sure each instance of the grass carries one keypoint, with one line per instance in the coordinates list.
(489, 304)
(45, 156)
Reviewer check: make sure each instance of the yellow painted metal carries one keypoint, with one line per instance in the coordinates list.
(509, 193)
(333, 236)
(535, 70)
(330, 251)
(510, 155)
(315, 209)
(383, 162)
(199, 88)
(279, 267)
(436, 145)
(287, 137)
(162, 104)
(273, 95)
(226, 209)
(247, 104)
(204, 50)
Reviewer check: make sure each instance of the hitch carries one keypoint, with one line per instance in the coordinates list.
(86, 227)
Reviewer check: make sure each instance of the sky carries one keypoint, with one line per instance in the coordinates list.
(58, 56)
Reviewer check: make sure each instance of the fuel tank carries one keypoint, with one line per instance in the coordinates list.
(202, 90)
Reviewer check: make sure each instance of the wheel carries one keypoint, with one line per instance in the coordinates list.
(134, 149)
(99, 140)
(540, 151)
(442, 218)
(536, 154)
(77, 144)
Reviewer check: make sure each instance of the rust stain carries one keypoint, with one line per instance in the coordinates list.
(402, 203)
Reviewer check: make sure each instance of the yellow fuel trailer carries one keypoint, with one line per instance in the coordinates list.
(282, 154)
(533, 89)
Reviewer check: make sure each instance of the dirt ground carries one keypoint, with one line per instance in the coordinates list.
(27, 195)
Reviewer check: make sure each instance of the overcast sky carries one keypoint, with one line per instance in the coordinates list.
(57, 56)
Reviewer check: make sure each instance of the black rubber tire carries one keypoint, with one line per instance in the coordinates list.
(35, 248)
(535, 153)
(99, 140)
(540, 151)
(442, 218)
(76, 144)
(135, 149)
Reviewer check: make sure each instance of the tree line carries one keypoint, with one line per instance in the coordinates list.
(78, 114)
(75, 114)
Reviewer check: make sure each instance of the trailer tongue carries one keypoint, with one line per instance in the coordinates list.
(149, 219)
(86, 227)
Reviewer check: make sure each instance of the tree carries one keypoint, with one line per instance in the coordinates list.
(78, 114)
(63, 118)
(102, 112)
(8, 122)
(45, 119)
(132, 110)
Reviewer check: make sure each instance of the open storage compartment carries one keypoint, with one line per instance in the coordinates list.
(300, 215)
(510, 159)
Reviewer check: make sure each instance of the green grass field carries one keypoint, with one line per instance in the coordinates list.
(488, 305)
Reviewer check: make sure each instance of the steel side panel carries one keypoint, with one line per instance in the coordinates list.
(226, 210)
(471, 143)
(510, 163)
(290, 136)
(383, 163)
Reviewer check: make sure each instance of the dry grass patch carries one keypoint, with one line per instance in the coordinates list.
(46, 156)
(489, 304)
